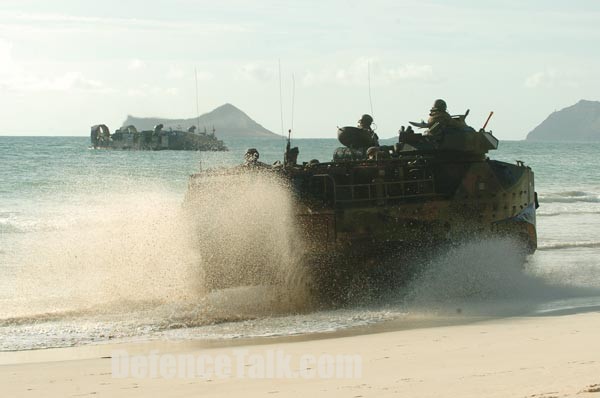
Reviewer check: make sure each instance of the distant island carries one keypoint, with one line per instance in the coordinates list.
(579, 122)
(228, 121)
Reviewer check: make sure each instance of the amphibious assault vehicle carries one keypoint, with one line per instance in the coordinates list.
(128, 138)
(372, 201)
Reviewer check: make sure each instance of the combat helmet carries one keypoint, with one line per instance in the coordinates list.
(365, 120)
(439, 105)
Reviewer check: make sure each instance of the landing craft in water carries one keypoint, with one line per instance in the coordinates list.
(128, 138)
(372, 201)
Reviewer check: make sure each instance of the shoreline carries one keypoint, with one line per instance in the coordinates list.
(101, 348)
(548, 355)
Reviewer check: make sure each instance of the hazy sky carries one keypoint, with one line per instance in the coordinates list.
(68, 64)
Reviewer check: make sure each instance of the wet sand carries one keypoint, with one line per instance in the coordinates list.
(544, 356)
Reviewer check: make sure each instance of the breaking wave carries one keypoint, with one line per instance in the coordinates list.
(565, 213)
(8, 226)
(568, 245)
(570, 197)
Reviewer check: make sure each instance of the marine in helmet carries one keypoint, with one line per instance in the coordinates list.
(440, 119)
(251, 157)
(365, 123)
(291, 156)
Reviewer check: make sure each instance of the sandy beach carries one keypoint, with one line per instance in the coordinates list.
(543, 356)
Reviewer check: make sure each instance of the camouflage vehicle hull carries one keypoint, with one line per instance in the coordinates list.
(415, 202)
(360, 210)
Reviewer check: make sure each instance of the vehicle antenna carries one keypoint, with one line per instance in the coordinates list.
(293, 98)
(197, 107)
(288, 145)
(280, 98)
(369, 79)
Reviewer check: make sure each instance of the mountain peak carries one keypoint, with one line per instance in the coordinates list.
(583, 101)
(228, 120)
(227, 110)
(227, 107)
(578, 122)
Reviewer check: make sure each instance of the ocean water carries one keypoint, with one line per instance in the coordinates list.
(95, 247)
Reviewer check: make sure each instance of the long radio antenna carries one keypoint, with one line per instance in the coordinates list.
(197, 106)
(280, 99)
(293, 98)
(288, 145)
(369, 79)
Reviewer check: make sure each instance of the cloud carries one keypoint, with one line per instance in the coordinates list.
(204, 76)
(257, 72)
(15, 77)
(6, 58)
(175, 72)
(136, 64)
(541, 78)
(64, 22)
(147, 90)
(311, 78)
(66, 82)
(410, 72)
(553, 77)
(178, 72)
(356, 73)
(361, 70)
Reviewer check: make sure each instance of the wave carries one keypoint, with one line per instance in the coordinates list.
(40, 318)
(569, 245)
(573, 193)
(570, 197)
(145, 310)
(566, 213)
(22, 225)
(9, 228)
